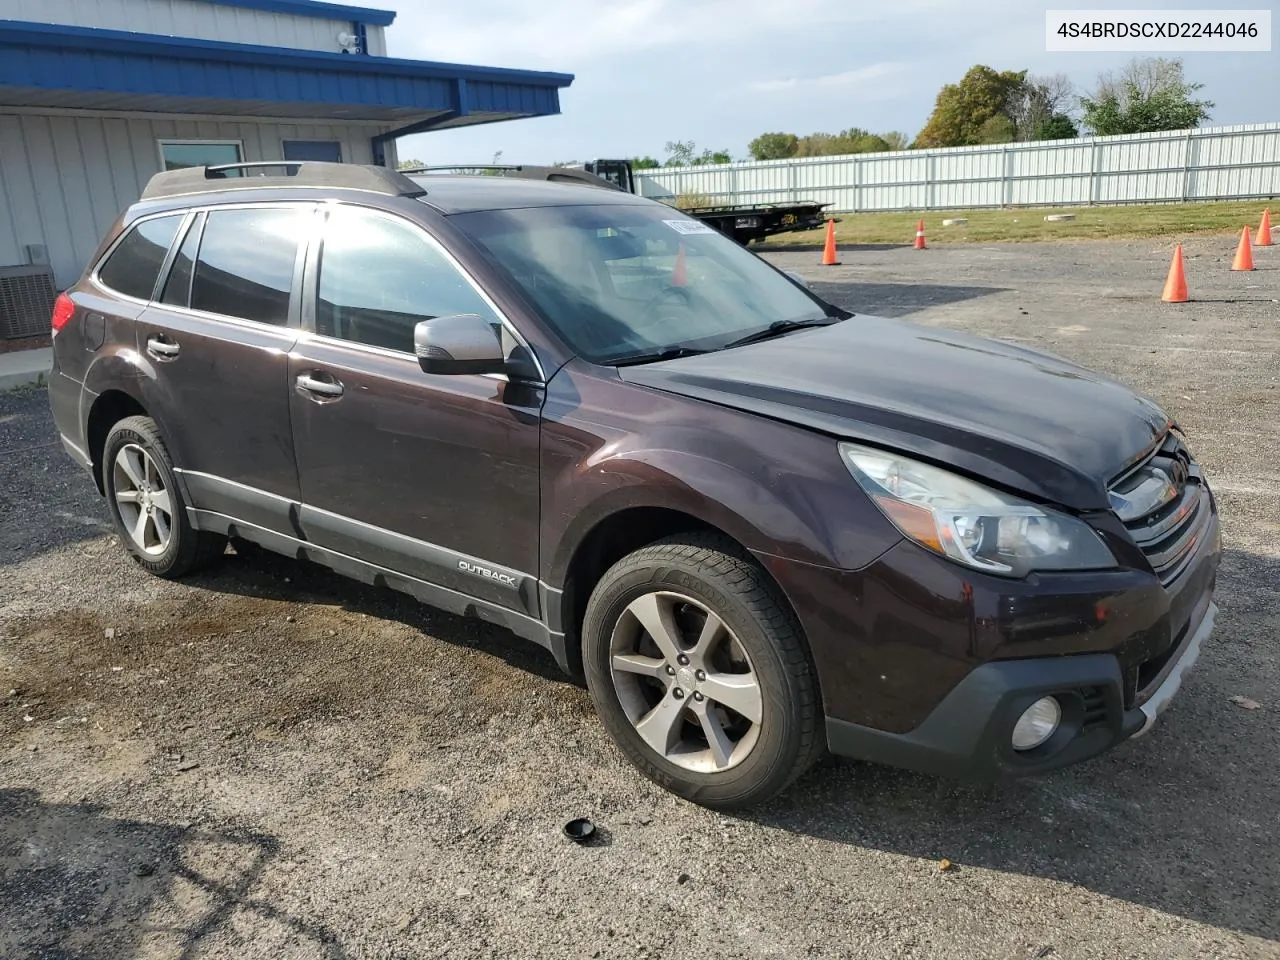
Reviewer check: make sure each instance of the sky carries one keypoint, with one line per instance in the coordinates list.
(719, 72)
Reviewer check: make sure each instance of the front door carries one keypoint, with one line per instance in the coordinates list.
(435, 477)
(218, 338)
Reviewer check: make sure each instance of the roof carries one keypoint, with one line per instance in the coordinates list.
(314, 8)
(452, 195)
(449, 194)
(79, 67)
(272, 174)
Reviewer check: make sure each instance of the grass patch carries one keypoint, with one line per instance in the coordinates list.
(1028, 224)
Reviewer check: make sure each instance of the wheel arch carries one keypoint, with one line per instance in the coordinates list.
(613, 537)
(108, 409)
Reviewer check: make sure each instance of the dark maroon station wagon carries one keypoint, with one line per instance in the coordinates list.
(758, 526)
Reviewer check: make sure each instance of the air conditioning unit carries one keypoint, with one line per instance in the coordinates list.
(26, 300)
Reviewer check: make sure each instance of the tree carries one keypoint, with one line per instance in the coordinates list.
(1041, 110)
(644, 163)
(1148, 95)
(962, 108)
(895, 140)
(774, 146)
(1057, 127)
(853, 140)
(409, 164)
(680, 153)
(713, 156)
(997, 128)
(683, 153)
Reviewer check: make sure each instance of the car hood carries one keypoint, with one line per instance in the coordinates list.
(1007, 414)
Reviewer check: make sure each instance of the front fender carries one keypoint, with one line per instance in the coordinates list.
(775, 488)
(715, 493)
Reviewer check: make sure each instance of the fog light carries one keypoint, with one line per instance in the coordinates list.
(1037, 724)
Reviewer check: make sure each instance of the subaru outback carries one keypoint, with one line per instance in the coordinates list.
(757, 526)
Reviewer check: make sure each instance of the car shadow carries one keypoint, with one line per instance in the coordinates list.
(249, 570)
(76, 881)
(895, 299)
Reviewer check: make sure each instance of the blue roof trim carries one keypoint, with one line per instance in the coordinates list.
(18, 33)
(314, 8)
(93, 62)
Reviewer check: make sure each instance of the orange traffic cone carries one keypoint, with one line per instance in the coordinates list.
(680, 275)
(1244, 253)
(1264, 229)
(829, 258)
(1175, 288)
(920, 244)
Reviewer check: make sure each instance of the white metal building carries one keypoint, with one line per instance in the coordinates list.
(98, 95)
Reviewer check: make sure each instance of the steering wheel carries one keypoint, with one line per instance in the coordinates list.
(668, 309)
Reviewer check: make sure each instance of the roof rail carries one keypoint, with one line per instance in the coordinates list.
(524, 171)
(294, 173)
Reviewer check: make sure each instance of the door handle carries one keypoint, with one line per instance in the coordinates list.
(325, 388)
(162, 348)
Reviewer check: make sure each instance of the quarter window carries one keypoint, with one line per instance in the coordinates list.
(379, 277)
(246, 261)
(135, 263)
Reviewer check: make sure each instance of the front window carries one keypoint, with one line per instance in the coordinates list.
(619, 281)
(379, 277)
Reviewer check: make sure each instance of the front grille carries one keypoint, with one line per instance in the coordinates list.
(1095, 708)
(1164, 504)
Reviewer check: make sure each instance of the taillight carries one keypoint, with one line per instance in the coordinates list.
(64, 309)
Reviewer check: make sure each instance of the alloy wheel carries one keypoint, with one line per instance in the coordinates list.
(685, 682)
(146, 509)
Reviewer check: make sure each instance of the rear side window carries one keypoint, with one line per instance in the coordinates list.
(245, 266)
(135, 263)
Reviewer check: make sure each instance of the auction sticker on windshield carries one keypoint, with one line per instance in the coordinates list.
(688, 226)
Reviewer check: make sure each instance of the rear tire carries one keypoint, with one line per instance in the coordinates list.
(669, 631)
(146, 503)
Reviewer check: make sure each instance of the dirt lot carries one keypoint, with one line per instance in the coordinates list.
(268, 761)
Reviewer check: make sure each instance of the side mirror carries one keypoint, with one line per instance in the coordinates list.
(798, 279)
(461, 343)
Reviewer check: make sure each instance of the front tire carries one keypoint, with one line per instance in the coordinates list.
(146, 504)
(700, 673)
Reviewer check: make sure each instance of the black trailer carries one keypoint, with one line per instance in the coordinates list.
(742, 222)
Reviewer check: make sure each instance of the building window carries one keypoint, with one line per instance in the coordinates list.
(327, 150)
(178, 154)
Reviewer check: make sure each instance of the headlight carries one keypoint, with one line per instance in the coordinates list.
(972, 524)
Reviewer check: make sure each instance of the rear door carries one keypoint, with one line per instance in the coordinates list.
(218, 338)
(432, 476)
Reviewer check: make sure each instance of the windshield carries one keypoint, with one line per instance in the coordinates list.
(619, 281)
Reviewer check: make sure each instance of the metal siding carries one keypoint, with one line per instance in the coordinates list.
(64, 179)
(1203, 164)
(198, 19)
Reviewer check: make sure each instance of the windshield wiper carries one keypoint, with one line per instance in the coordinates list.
(779, 327)
(666, 353)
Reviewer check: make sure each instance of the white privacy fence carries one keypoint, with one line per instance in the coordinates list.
(1210, 163)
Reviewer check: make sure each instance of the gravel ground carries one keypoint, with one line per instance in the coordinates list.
(269, 761)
